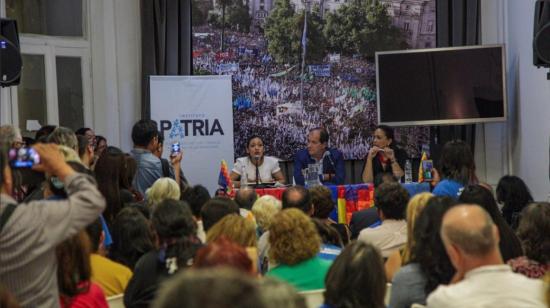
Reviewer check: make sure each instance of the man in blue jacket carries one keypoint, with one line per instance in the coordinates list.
(331, 160)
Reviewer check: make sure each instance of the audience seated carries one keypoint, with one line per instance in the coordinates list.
(33, 230)
(321, 198)
(429, 264)
(481, 280)
(457, 169)
(162, 189)
(294, 244)
(356, 278)
(403, 256)
(331, 242)
(297, 197)
(132, 237)
(264, 209)
(215, 209)
(391, 201)
(276, 293)
(509, 244)
(175, 230)
(245, 198)
(224, 252)
(197, 196)
(514, 196)
(235, 228)
(534, 233)
(210, 288)
(367, 217)
(110, 173)
(74, 274)
(111, 276)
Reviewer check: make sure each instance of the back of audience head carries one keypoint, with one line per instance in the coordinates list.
(468, 230)
(293, 237)
(384, 177)
(196, 196)
(429, 250)
(85, 150)
(162, 189)
(328, 234)
(297, 197)
(175, 230)
(457, 162)
(64, 136)
(245, 198)
(277, 293)
(224, 252)
(264, 209)
(95, 234)
(234, 227)
(391, 200)
(514, 195)
(73, 266)
(109, 173)
(534, 231)
(321, 198)
(210, 288)
(358, 268)
(144, 133)
(215, 209)
(417, 203)
(510, 245)
(131, 235)
(43, 133)
(12, 136)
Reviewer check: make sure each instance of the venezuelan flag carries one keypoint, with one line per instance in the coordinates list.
(224, 180)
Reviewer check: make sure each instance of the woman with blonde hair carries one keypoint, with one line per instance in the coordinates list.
(294, 245)
(162, 189)
(235, 228)
(402, 256)
(264, 209)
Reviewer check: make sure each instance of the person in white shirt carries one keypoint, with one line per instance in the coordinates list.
(482, 279)
(391, 201)
(258, 167)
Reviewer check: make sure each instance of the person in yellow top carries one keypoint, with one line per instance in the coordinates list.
(111, 276)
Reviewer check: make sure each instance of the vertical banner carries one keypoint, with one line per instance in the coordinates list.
(195, 111)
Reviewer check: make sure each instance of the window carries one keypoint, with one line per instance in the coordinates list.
(55, 83)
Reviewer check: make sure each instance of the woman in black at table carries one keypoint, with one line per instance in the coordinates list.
(383, 156)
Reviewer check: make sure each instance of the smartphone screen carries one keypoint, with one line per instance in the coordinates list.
(176, 149)
(23, 158)
(427, 169)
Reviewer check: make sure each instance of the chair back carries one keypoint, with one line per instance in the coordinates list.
(314, 298)
(116, 301)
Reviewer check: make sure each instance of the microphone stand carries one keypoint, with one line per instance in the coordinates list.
(257, 159)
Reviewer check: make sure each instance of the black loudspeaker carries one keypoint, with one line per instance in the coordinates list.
(10, 55)
(541, 40)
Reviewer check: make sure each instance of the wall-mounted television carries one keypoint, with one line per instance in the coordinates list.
(441, 86)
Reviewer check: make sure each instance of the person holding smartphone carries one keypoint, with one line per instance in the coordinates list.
(383, 156)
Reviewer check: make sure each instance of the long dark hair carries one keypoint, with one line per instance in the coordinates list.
(429, 251)
(73, 269)
(515, 195)
(131, 235)
(457, 162)
(109, 173)
(176, 229)
(356, 278)
(534, 230)
(509, 244)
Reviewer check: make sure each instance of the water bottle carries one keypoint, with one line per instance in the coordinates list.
(408, 172)
(244, 177)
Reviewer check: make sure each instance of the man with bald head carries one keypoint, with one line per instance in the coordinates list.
(297, 197)
(482, 279)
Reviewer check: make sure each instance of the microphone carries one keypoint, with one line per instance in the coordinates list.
(257, 160)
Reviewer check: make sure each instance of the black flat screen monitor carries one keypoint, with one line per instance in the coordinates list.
(441, 86)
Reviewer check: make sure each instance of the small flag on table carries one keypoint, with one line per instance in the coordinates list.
(224, 180)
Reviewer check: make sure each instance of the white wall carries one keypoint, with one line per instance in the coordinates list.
(116, 53)
(520, 146)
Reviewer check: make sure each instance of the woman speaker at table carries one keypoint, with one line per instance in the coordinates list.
(256, 165)
(383, 156)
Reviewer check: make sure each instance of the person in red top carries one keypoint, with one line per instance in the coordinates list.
(74, 273)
